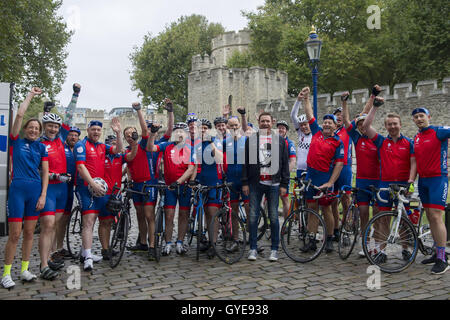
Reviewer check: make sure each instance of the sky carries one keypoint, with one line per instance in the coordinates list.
(106, 31)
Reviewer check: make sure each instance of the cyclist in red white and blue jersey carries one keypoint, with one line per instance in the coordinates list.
(178, 168)
(397, 161)
(367, 161)
(208, 157)
(90, 156)
(143, 170)
(431, 149)
(27, 193)
(283, 129)
(326, 148)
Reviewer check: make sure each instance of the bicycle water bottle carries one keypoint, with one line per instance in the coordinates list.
(414, 216)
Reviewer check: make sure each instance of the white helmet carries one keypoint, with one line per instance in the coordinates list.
(51, 118)
(302, 118)
(103, 184)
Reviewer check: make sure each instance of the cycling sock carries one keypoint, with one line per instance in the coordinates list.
(25, 265)
(87, 253)
(179, 241)
(7, 270)
(440, 253)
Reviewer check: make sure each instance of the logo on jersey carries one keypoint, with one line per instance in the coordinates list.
(80, 149)
(47, 148)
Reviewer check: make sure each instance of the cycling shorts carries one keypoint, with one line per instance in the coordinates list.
(364, 198)
(56, 199)
(183, 197)
(92, 205)
(433, 192)
(345, 179)
(69, 203)
(318, 178)
(22, 199)
(147, 200)
(236, 193)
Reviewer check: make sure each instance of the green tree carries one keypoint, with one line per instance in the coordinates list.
(162, 64)
(412, 44)
(33, 39)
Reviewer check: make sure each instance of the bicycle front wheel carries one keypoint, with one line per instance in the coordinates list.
(159, 233)
(303, 235)
(389, 243)
(118, 240)
(348, 232)
(73, 232)
(231, 236)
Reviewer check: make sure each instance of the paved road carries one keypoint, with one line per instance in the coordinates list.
(175, 277)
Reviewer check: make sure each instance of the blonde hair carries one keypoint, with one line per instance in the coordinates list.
(392, 115)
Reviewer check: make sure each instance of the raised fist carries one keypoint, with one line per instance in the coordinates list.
(35, 91)
(168, 105)
(241, 110)
(344, 96)
(378, 102)
(76, 88)
(304, 94)
(154, 128)
(376, 90)
(136, 106)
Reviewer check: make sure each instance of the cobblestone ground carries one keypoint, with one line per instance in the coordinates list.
(182, 277)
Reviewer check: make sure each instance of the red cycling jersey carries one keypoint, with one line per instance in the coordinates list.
(323, 151)
(176, 160)
(430, 148)
(367, 161)
(395, 157)
(347, 141)
(113, 171)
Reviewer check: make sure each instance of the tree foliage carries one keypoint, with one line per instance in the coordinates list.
(33, 39)
(162, 64)
(412, 44)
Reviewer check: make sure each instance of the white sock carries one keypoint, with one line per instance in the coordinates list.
(87, 253)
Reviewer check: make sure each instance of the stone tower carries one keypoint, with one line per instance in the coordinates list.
(211, 84)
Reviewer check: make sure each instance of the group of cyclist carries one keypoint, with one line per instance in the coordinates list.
(50, 161)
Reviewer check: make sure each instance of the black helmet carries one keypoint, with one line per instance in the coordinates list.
(220, 120)
(114, 205)
(110, 139)
(206, 122)
(283, 123)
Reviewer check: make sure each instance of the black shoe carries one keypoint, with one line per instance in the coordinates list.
(211, 253)
(65, 253)
(151, 254)
(406, 255)
(139, 248)
(204, 246)
(105, 254)
(329, 246)
(380, 258)
(440, 267)
(336, 236)
(55, 266)
(310, 245)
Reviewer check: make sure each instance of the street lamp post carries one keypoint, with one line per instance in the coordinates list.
(313, 46)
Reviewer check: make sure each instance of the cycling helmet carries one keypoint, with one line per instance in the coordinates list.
(180, 125)
(103, 184)
(337, 110)
(220, 120)
(360, 118)
(110, 139)
(75, 129)
(302, 118)
(206, 122)
(192, 117)
(283, 123)
(51, 118)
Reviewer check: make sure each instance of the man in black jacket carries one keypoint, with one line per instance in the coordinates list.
(265, 172)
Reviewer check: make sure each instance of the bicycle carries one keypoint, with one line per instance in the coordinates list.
(160, 223)
(263, 220)
(350, 226)
(229, 230)
(300, 239)
(390, 240)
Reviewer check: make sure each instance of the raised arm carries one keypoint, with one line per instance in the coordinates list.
(308, 108)
(151, 140)
(115, 126)
(242, 112)
(367, 125)
(22, 109)
(137, 106)
(345, 113)
(294, 112)
(70, 110)
(375, 92)
(169, 107)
